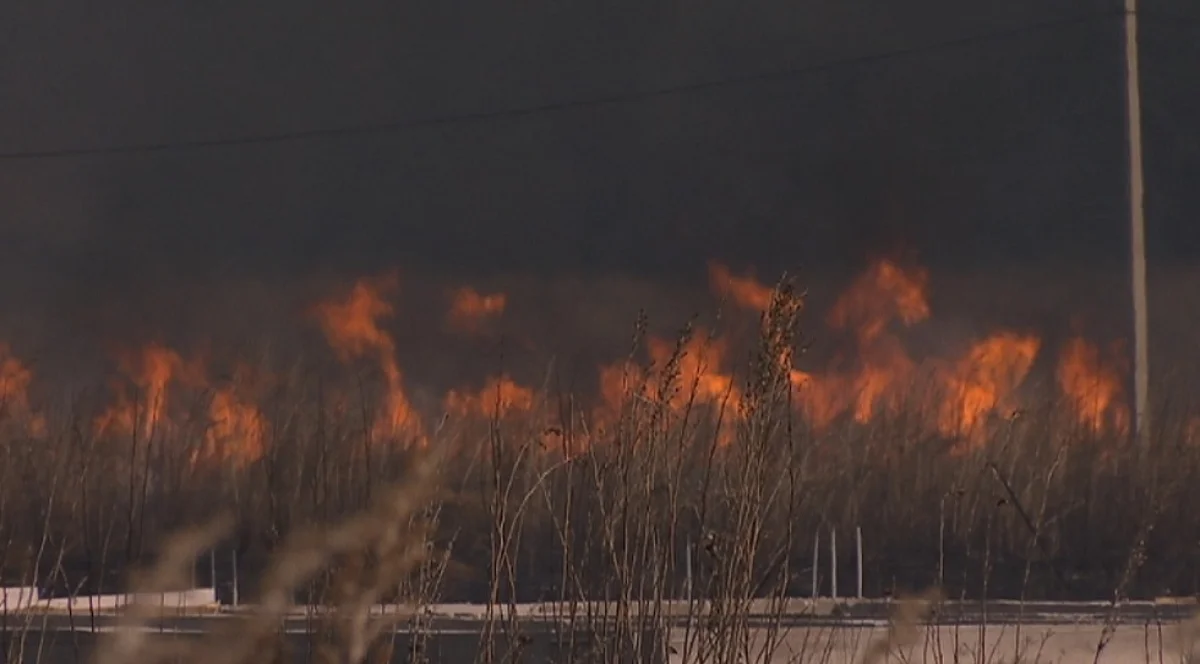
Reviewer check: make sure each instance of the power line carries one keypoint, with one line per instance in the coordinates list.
(552, 107)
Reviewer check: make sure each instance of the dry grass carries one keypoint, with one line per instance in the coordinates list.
(376, 550)
(604, 522)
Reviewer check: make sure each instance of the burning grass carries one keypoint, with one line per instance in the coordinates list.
(708, 461)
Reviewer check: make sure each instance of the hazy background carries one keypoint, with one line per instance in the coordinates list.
(998, 160)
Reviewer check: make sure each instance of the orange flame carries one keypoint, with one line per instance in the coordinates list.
(745, 292)
(880, 377)
(499, 396)
(15, 378)
(352, 329)
(699, 366)
(151, 372)
(698, 381)
(237, 433)
(982, 381)
(886, 292)
(617, 382)
(1093, 389)
(469, 308)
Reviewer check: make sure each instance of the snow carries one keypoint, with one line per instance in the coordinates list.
(197, 600)
(1058, 644)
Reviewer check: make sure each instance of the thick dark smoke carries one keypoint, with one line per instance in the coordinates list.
(1003, 150)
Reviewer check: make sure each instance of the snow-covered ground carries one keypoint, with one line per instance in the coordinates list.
(1043, 644)
(1064, 633)
(199, 600)
(1058, 633)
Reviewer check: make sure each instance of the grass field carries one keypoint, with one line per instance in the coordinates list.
(714, 463)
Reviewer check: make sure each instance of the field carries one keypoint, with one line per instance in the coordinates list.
(726, 462)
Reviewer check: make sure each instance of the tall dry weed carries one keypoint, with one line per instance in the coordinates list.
(904, 627)
(376, 549)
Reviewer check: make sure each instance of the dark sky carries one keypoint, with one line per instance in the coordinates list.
(1004, 149)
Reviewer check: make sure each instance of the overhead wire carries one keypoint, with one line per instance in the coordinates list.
(395, 126)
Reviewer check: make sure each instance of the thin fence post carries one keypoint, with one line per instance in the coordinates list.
(816, 564)
(833, 566)
(688, 562)
(858, 546)
(235, 577)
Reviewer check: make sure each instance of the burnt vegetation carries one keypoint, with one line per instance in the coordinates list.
(691, 454)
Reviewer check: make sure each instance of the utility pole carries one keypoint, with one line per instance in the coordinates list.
(1137, 223)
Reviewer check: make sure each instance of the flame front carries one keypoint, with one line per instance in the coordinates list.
(15, 379)
(881, 371)
(1094, 389)
(983, 381)
(874, 376)
(886, 292)
(237, 433)
(352, 328)
(469, 308)
(880, 377)
(151, 371)
(499, 397)
(745, 292)
(699, 371)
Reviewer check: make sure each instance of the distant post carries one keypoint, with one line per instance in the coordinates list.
(858, 557)
(688, 579)
(833, 569)
(235, 577)
(816, 565)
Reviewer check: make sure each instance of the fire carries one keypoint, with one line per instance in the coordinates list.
(151, 371)
(699, 367)
(237, 433)
(982, 381)
(469, 308)
(499, 396)
(697, 380)
(1094, 389)
(617, 382)
(886, 292)
(15, 378)
(881, 377)
(352, 328)
(874, 375)
(745, 292)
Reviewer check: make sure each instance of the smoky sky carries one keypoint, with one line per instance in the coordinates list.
(997, 150)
